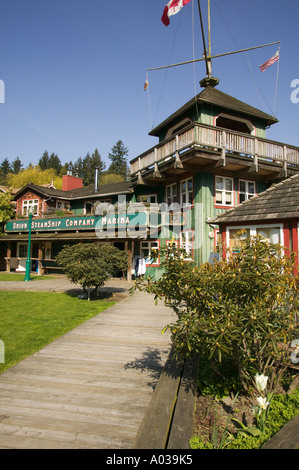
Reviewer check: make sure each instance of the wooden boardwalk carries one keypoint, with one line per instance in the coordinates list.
(90, 388)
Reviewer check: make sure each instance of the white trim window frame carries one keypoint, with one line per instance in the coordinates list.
(147, 198)
(246, 190)
(186, 192)
(254, 230)
(29, 204)
(186, 243)
(146, 248)
(171, 194)
(224, 191)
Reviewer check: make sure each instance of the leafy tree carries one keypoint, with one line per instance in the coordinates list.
(242, 309)
(119, 165)
(34, 174)
(6, 209)
(90, 265)
(16, 166)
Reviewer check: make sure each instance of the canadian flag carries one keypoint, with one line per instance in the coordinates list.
(172, 8)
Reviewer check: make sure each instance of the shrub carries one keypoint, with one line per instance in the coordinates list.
(90, 265)
(243, 308)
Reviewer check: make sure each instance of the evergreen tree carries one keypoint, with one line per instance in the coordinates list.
(119, 165)
(43, 162)
(55, 163)
(78, 169)
(5, 168)
(90, 163)
(16, 166)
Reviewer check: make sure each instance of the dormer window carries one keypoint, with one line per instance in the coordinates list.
(234, 123)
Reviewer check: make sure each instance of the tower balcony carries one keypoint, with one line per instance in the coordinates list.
(204, 148)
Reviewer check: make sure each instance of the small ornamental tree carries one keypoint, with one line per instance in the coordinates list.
(243, 309)
(90, 265)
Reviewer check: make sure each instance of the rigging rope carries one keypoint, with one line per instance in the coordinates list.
(166, 73)
(247, 63)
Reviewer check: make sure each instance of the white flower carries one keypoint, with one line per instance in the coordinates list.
(263, 403)
(261, 382)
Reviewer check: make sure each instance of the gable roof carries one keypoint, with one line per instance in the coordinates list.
(215, 97)
(80, 193)
(281, 201)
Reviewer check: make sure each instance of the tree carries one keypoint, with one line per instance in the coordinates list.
(5, 168)
(43, 162)
(6, 209)
(90, 163)
(33, 174)
(90, 265)
(55, 163)
(243, 309)
(118, 159)
(16, 166)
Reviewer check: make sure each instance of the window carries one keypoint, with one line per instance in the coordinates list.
(148, 251)
(273, 234)
(246, 190)
(22, 250)
(150, 198)
(187, 192)
(30, 205)
(224, 191)
(186, 243)
(171, 194)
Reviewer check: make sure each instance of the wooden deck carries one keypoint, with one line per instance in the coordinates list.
(91, 387)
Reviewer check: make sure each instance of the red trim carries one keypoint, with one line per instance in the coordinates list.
(286, 238)
(151, 265)
(224, 242)
(295, 239)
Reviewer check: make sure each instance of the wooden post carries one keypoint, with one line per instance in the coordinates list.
(40, 260)
(128, 249)
(8, 256)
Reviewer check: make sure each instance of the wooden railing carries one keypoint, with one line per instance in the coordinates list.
(217, 139)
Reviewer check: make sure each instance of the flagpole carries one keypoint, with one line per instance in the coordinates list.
(276, 91)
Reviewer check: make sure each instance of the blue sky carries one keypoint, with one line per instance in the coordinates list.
(74, 70)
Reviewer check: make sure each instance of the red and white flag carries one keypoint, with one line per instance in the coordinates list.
(269, 62)
(172, 8)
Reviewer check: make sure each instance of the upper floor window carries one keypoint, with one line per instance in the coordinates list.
(30, 205)
(246, 190)
(171, 193)
(224, 191)
(187, 192)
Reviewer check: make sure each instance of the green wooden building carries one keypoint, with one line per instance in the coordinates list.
(210, 155)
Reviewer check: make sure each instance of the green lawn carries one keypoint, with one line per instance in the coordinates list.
(31, 320)
(20, 277)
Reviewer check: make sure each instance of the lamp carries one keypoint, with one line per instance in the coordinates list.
(28, 261)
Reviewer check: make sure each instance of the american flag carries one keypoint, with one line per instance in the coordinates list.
(269, 62)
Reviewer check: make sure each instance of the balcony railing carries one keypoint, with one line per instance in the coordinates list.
(216, 139)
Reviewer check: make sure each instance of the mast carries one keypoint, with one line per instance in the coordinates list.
(209, 80)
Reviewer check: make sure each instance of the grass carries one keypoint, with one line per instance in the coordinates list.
(31, 320)
(20, 277)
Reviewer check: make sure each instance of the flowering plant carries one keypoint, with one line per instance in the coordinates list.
(261, 411)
